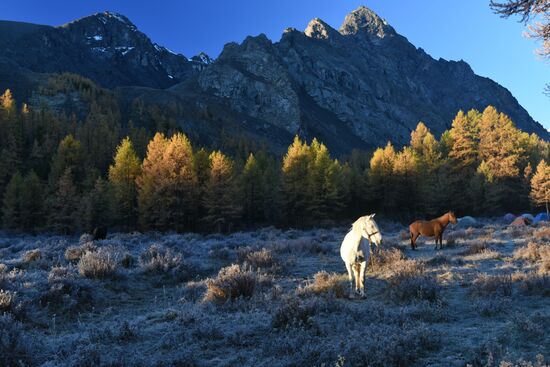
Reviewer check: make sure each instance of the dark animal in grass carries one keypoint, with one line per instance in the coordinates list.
(99, 233)
(431, 228)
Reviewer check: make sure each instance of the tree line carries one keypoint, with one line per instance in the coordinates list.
(62, 174)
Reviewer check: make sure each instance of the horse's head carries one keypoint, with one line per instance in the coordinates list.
(452, 217)
(370, 230)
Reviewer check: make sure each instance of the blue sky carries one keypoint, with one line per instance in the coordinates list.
(453, 30)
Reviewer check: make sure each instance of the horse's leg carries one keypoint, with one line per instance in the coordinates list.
(356, 272)
(362, 278)
(414, 237)
(350, 278)
(437, 236)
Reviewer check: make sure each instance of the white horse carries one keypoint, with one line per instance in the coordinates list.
(356, 253)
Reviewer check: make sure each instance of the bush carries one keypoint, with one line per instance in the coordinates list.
(491, 306)
(383, 260)
(535, 252)
(533, 283)
(293, 314)
(99, 264)
(74, 253)
(67, 293)
(7, 300)
(542, 233)
(160, 259)
(15, 350)
(32, 255)
(326, 283)
(232, 282)
(475, 248)
(410, 282)
(259, 260)
(492, 285)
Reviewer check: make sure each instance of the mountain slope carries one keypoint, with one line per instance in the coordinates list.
(104, 47)
(376, 83)
(356, 87)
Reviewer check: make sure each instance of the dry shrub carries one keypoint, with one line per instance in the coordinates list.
(475, 248)
(539, 362)
(491, 306)
(259, 260)
(7, 300)
(32, 255)
(160, 259)
(542, 233)
(74, 253)
(492, 285)
(326, 283)
(293, 314)
(385, 259)
(439, 260)
(99, 264)
(232, 282)
(67, 292)
(459, 234)
(535, 252)
(532, 283)
(409, 281)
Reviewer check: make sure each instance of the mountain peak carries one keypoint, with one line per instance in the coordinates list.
(319, 29)
(105, 18)
(364, 19)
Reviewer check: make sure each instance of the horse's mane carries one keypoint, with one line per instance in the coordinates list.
(356, 225)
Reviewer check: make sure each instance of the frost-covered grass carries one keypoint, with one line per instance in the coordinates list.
(275, 298)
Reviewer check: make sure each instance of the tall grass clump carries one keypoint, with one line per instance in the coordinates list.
(325, 283)
(232, 282)
(98, 264)
(409, 281)
(159, 259)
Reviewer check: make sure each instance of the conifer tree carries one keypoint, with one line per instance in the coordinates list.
(220, 199)
(96, 206)
(325, 184)
(12, 216)
(202, 168)
(501, 152)
(63, 205)
(180, 184)
(70, 156)
(540, 186)
(167, 195)
(149, 182)
(381, 180)
(463, 161)
(122, 176)
(405, 183)
(465, 139)
(252, 192)
(429, 172)
(295, 182)
(32, 202)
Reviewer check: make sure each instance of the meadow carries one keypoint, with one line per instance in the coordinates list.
(275, 298)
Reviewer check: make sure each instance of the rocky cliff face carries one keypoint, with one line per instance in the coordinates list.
(369, 79)
(356, 87)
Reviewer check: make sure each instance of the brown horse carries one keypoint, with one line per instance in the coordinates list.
(431, 228)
